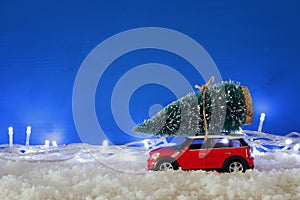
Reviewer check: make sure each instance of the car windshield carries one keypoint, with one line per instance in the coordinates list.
(182, 144)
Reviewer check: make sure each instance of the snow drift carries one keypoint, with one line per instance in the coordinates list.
(81, 171)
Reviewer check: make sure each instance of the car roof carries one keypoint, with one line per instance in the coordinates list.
(217, 136)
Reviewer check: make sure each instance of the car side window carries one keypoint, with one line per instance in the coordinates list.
(235, 143)
(196, 144)
(220, 143)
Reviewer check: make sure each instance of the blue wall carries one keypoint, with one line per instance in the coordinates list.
(43, 43)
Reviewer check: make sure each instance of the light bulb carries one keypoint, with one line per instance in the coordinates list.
(28, 130)
(296, 147)
(105, 143)
(10, 130)
(262, 116)
(261, 121)
(47, 142)
(288, 141)
(10, 133)
(54, 143)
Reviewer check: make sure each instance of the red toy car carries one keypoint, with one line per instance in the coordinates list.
(219, 152)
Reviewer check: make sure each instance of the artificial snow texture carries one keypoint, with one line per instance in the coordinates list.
(87, 172)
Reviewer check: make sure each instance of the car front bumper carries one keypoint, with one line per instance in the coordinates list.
(150, 164)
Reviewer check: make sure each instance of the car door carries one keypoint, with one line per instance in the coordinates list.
(218, 152)
(194, 156)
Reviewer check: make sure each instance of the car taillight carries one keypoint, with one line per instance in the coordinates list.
(248, 152)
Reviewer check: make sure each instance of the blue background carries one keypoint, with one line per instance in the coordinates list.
(43, 43)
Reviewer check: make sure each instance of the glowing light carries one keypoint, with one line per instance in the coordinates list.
(10, 130)
(261, 121)
(105, 143)
(28, 132)
(262, 116)
(288, 141)
(47, 143)
(296, 147)
(225, 141)
(54, 143)
(10, 133)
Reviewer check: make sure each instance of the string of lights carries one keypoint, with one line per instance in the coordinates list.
(258, 140)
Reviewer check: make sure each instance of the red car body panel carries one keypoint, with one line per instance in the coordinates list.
(193, 159)
(202, 158)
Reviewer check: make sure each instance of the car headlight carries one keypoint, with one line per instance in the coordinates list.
(154, 156)
(175, 154)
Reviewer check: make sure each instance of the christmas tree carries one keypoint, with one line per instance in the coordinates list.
(227, 106)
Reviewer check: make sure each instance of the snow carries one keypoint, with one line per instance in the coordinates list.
(79, 171)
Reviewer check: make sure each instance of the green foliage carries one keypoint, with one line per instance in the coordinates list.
(236, 108)
(224, 106)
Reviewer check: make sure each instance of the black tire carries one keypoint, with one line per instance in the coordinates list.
(235, 166)
(166, 164)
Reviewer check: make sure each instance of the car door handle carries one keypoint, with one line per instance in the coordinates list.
(202, 155)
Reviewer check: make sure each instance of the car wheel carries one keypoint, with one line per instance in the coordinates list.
(166, 165)
(236, 166)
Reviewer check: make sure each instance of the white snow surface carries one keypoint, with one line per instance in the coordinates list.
(80, 171)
